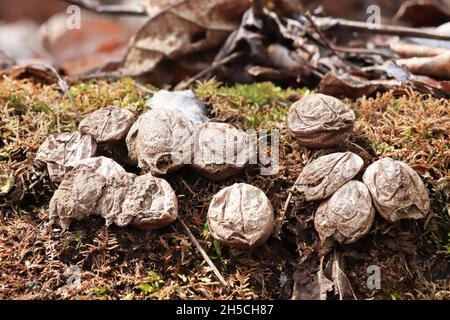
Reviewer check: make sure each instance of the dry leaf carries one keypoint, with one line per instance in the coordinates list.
(323, 176)
(241, 216)
(435, 66)
(180, 27)
(397, 190)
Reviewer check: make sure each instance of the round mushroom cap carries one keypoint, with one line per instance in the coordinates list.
(107, 125)
(347, 216)
(323, 176)
(397, 190)
(77, 196)
(241, 216)
(320, 121)
(150, 202)
(221, 150)
(161, 141)
(61, 152)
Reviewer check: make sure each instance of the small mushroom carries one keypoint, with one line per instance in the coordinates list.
(221, 150)
(347, 216)
(320, 121)
(99, 187)
(323, 176)
(397, 190)
(151, 202)
(161, 141)
(63, 151)
(241, 216)
(77, 196)
(107, 125)
(182, 102)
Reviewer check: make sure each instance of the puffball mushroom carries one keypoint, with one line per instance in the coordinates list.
(323, 176)
(161, 141)
(347, 216)
(98, 187)
(107, 125)
(397, 190)
(60, 152)
(221, 150)
(320, 121)
(241, 216)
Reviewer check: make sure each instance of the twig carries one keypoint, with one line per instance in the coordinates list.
(183, 85)
(327, 23)
(128, 9)
(203, 253)
(328, 44)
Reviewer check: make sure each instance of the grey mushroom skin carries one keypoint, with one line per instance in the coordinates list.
(326, 174)
(320, 121)
(347, 216)
(397, 190)
(241, 216)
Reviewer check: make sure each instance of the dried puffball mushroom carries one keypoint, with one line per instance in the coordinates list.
(397, 190)
(241, 216)
(77, 196)
(323, 176)
(145, 202)
(61, 152)
(183, 102)
(103, 166)
(320, 121)
(161, 141)
(101, 188)
(221, 150)
(107, 125)
(151, 202)
(347, 216)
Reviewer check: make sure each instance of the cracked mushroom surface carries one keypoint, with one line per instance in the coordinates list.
(322, 177)
(221, 150)
(61, 152)
(397, 190)
(241, 216)
(107, 125)
(98, 186)
(77, 196)
(320, 121)
(347, 216)
(161, 141)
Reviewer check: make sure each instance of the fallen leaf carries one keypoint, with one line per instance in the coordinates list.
(179, 27)
(436, 66)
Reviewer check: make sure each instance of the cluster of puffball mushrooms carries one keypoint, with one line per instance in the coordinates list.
(176, 132)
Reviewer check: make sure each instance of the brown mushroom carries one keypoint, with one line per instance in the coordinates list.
(241, 216)
(107, 125)
(61, 152)
(397, 190)
(347, 216)
(323, 176)
(221, 150)
(320, 121)
(161, 141)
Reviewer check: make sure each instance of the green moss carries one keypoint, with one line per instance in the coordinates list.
(260, 104)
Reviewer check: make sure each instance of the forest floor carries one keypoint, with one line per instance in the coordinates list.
(123, 263)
